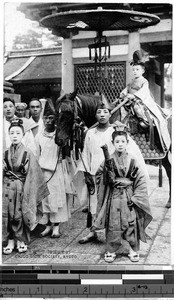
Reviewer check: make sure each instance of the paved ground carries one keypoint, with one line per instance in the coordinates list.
(67, 250)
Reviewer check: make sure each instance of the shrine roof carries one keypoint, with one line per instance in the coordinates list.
(33, 65)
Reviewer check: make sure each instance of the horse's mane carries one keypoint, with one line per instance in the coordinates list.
(88, 108)
(67, 122)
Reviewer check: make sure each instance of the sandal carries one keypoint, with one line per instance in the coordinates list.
(21, 247)
(134, 257)
(9, 248)
(109, 257)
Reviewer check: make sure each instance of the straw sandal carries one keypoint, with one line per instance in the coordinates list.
(21, 247)
(109, 257)
(134, 257)
(9, 248)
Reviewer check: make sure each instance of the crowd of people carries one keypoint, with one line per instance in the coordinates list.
(38, 182)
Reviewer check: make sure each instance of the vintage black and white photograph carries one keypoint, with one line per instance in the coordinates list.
(87, 126)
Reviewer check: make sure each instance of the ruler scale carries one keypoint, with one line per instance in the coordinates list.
(85, 281)
(90, 290)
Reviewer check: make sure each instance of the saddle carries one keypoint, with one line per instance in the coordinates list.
(139, 120)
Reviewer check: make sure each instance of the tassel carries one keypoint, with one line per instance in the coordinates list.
(106, 71)
(96, 56)
(76, 152)
(71, 142)
(89, 53)
(82, 139)
(109, 51)
(63, 152)
(151, 130)
(89, 220)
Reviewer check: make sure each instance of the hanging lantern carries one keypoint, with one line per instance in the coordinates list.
(99, 52)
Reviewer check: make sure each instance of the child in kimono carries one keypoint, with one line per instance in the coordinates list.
(138, 94)
(123, 206)
(56, 207)
(24, 188)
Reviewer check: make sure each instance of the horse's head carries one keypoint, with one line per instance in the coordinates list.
(73, 114)
(64, 119)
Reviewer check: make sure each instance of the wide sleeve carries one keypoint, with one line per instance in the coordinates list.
(101, 185)
(103, 192)
(141, 200)
(78, 173)
(144, 91)
(29, 141)
(83, 165)
(38, 147)
(134, 150)
(35, 190)
(4, 164)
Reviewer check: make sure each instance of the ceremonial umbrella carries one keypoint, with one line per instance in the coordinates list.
(98, 20)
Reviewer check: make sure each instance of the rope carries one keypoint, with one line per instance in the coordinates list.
(88, 178)
(55, 166)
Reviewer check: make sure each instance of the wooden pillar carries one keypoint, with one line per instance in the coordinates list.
(67, 66)
(162, 104)
(160, 183)
(133, 45)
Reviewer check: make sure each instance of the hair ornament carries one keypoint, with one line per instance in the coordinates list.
(138, 59)
(103, 105)
(17, 123)
(120, 127)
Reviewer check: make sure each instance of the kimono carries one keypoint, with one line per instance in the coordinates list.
(57, 175)
(93, 156)
(24, 189)
(140, 88)
(123, 207)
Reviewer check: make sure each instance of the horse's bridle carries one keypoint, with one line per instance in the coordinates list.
(78, 127)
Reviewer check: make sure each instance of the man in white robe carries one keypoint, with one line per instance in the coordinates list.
(35, 108)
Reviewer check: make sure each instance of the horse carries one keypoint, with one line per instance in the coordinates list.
(76, 113)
